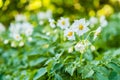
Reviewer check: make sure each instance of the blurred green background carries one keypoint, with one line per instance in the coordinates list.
(72, 8)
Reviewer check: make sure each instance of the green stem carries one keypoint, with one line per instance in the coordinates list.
(89, 34)
(81, 58)
(61, 36)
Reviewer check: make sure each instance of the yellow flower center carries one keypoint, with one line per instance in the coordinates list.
(63, 22)
(17, 36)
(70, 33)
(81, 27)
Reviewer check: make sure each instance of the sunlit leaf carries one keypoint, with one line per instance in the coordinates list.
(40, 73)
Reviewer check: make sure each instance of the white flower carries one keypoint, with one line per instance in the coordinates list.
(63, 23)
(97, 32)
(48, 33)
(92, 48)
(70, 50)
(27, 29)
(12, 27)
(13, 44)
(30, 39)
(48, 14)
(80, 47)
(2, 28)
(41, 15)
(86, 43)
(18, 29)
(80, 27)
(21, 44)
(93, 21)
(29, 32)
(17, 36)
(41, 22)
(15, 28)
(44, 15)
(103, 21)
(69, 33)
(52, 23)
(20, 17)
(6, 41)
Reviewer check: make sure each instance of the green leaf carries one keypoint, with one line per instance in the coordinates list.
(58, 77)
(57, 66)
(88, 55)
(70, 69)
(40, 73)
(99, 76)
(79, 69)
(87, 73)
(41, 36)
(103, 70)
(48, 61)
(37, 61)
(114, 76)
(41, 42)
(115, 67)
(116, 52)
(50, 64)
(51, 49)
(95, 62)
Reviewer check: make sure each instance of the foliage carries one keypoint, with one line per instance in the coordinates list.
(43, 51)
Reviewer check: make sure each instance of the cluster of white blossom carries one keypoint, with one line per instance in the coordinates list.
(94, 20)
(19, 31)
(79, 27)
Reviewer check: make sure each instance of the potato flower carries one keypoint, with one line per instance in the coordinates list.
(97, 32)
(63, 23)
(103, 21)
(6, 41)
(24, 28)
(52, 23)
(21, 44)
(13, 44)
(44, 15)
(82, 46)
(80, 27)
(69, 33)
(17, 36)
(93, 21)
